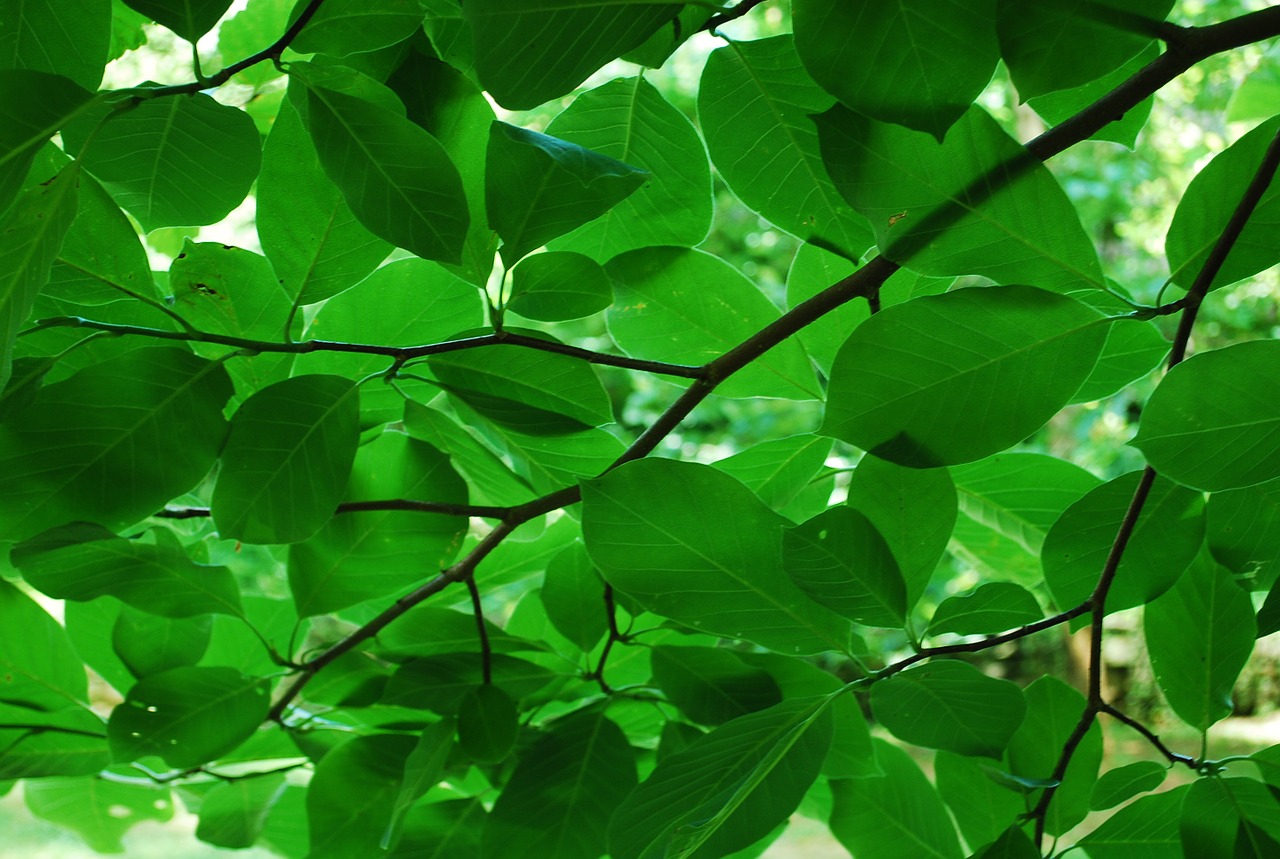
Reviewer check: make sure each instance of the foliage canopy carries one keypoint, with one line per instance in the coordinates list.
(369, 552)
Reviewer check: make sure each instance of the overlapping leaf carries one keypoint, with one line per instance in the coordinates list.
(190, 19)
(950, 705)
(40, 35)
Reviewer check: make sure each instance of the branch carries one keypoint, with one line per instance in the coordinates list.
(486, 652)
(1172, 756)
(731, 15)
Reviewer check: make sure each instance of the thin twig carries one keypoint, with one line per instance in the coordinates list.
(486, 652)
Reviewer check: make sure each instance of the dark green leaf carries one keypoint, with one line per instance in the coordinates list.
(778, 470)
(926, 66)
(538, 188)
(439, 683)
(560, 285)
(949, 705)
(628, 119)
(983, 807)
(527, 55)
(342, 27)
(755, 101)
(188, 716)
(712, 686)
(38, 668)
(353, 793)
(35, 744)
(233, 813)
(450, 829)
(1243, 530)
(670, 305)
(487, 724)
(1057, 107)
(952, 405)
(1013, 843)
(977, 203)
(190, 19)
(717, 568)
(40, 35)
(33, 107)
(727, 789)
(287, 460)
(113, 443)
(83, 561)
(559, 799)
(1164, 542)
(895, 816)
(1125, 782)
(182, 161)
(1212, 423)
(993, 607)
(149, 644)
(99, 811)
(423, 770)
(1199, 635)
(840, 560)
(398, 180)
(489, 478)
(573, 596)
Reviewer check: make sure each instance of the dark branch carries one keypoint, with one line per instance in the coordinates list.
(731, 15)
(1150, 736)
(486, 652)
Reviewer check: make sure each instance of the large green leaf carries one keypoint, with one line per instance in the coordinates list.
(314, 242)
(98, 810)
(232, 814)
(982, 806)
(895, 816)
(1164, 542)
(148, 644)
(1146, 827)
(440, 683)
(1200, 634)
(1057, 107)
(976, 203)
(183, 161)
(1213, 422)
(358, 556)
(113, 443)
(398, 180)
(712, 686)
(918, 66)
(559, 799)
(993, 607)
(488, 724)
(754, 102)
(727, 789)
(560, 285)
(33, 107)
(490, 479)
(1001, 361)
(188, 716)
(36, 744)
(29, 241)
(715, 568)
(40, 35)
(526, 55)
(1210, 201)
(39, 670)
(1125, 782)
(670, 305)
(1243, 530)
(287, 460)
(840, 560)
(352, 795)
(780, 469)
(83, 561)
(343, 27)
(574, 597)
(1054, 46)
(190, 19)
(949, 705)
(628, 119)
(538, 188)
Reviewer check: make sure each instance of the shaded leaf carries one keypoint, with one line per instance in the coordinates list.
(233, 813)
(950, 705)
(38, 35)
(487, 724)
(1125, 782)
(190, 19)
(560, 285)
(993, 607)
(712, 686)
(840, 560)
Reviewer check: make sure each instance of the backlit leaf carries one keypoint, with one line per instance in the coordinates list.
(950, 705)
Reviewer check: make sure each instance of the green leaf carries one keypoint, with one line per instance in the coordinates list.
(1212, 424)
(1254, 97)
(754, 102)
(670, 305)
(316, 246)
(30, 238)
(1125, 782)
(895, 816)
(423, 770)
(450, 829)
(1243, 530)
(954, 404)
(352, 795)
(560, 285)
(1053, 47)
(538, 188)
(717, 569)
(149, 644)
(69, 742)
(113, 443)
(83, 561)
(1053, 711)
(1013, 843)
(287, 460)
(488, 477)
(39, 670)
(487, 724)
(1166, 539)
(925, 67)
(573, 596)
(659, 47)
(249, 31)
(712, 686)
(552, 394)
(727, 789)
(398, 180)
(527, 55)
(1210, 201)
(99, 811)
(342, 27)
(1057, 107)
(780, 469)
(1199, 635)
(427, 630)
(977, 203)
(949, 705)
(564, 789)
(40, 35)
(439, 683)
(359, 556)
(33, 107)
(993, 607)
(840, 560)
(188, 716)
(628, 119)
(190, 19)
(184, 161)
(233, 813)
(1133, 349)
(983, 807)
